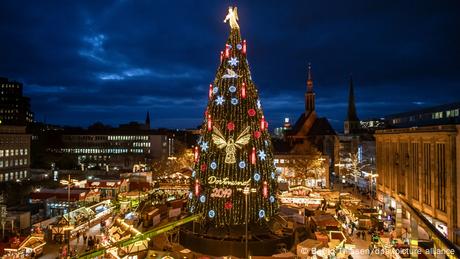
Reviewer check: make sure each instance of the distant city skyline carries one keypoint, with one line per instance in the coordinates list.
(82, 62)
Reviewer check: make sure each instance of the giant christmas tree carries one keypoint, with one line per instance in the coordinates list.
(234, 150)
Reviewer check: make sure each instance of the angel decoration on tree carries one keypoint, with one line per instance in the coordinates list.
(230, 145)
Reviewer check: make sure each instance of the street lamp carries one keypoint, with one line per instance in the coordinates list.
(69, 183)
(321, 160)
(371, 176)
(340, 174)
(246, 192)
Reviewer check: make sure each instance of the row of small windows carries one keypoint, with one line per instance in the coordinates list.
(13, 152)
(142, 144)
(95, 157)
(426, 116)
(4, 177)
(11, 163)
(102, 151)
(446, 114)
(10, 86)
(8, 111)
(128, 137)
(102, 137)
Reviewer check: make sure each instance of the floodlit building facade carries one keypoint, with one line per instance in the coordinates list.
(14, 153)
(420, 164)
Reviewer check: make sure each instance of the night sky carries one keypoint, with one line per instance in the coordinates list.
(112, 61)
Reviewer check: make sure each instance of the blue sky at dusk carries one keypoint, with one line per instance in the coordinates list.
(112, 61)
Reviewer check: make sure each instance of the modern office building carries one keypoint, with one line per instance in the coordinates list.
(372, 124)
(14, 107)
(437, 115)
(110, 148)
(14, 153)
(421, 165)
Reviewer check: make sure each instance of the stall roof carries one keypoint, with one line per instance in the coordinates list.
(106, 183)
(60, 194)
(311, 243)
(325, 220)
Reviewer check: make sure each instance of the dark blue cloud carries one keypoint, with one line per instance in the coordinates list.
(111, 61)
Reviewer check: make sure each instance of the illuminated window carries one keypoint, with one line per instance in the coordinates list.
(1, 153)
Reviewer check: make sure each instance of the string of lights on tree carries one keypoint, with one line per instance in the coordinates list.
(234, 150)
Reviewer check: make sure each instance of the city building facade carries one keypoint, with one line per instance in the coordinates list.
(107, 148)
(14, 153)
(437, 115)
(420, 164)
(14, 107)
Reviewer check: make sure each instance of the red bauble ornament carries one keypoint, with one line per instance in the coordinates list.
(257, 134)
(244, 46)
(262, 123)
(230, 126)
(228, 205)
(203, 167)
(251, 112)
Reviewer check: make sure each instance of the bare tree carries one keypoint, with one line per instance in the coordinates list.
(182, 159)
(354, 166)
(302, 169)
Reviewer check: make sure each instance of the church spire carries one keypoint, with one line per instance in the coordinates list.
(309, 79)
(147, 120)
(351, 124)
(309, 95)
(351, 115)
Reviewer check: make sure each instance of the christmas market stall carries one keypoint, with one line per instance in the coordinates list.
(324, 222)
(121, 231)
(308, 248)
(29, 247)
